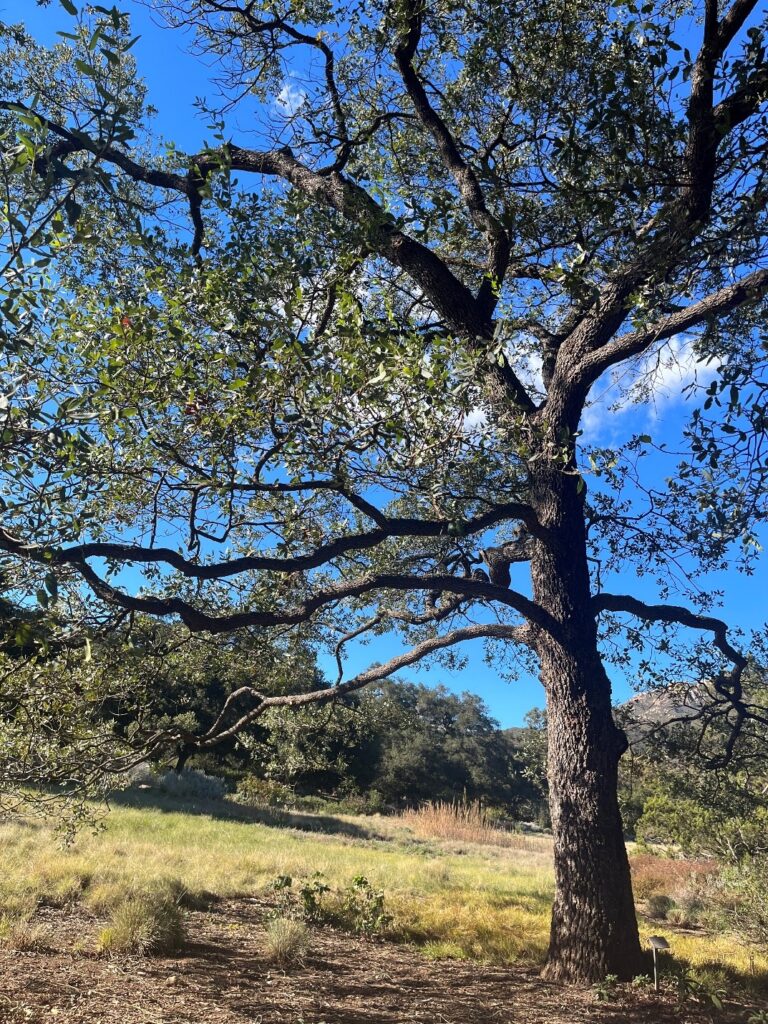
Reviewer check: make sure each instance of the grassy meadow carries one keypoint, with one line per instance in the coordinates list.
(486, 896)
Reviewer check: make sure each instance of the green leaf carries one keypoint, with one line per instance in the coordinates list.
(69, 7)
(87, 69)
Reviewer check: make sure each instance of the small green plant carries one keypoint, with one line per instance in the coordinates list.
(758, 1017)
(358, 907)
(641, 981)
(287, 940)
(144, 924)
(689, 987)
(606, 990)
(312, 895)
(363, 907)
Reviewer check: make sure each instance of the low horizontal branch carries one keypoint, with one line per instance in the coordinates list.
(388, 527)
(199, 620)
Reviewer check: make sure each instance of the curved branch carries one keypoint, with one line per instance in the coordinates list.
(216, 735)
(461, 172)
(671, 613)
(386, 528)
(749, 289)
(727, 685)
(198, 620)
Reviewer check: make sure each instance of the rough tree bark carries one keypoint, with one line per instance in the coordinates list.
(594, 928)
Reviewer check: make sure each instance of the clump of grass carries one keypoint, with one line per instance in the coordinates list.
(287, 941)
(144, 925)
(468, 822)
(106, 896)
(687, 913)
(659, 906)
(19, 933)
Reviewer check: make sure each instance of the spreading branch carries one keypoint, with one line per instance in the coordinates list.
(218, 733)
(727, 685)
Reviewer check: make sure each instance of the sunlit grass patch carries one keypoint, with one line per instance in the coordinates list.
(452, 897)
(19, 933)
(287, 941)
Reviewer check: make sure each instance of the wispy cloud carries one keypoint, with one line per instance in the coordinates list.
(644, 391)
(290, 99)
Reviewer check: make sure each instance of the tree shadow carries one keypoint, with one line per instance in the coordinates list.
(227, 810)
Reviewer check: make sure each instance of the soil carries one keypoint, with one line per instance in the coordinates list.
(223, 978)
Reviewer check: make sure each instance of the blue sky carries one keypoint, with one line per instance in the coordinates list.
(175, 79)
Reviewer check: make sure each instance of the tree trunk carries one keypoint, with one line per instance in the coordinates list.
(594, 927)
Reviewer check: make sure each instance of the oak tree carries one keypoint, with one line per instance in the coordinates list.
(329, 372)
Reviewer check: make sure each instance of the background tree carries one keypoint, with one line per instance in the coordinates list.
(398, 743)
(355, 399)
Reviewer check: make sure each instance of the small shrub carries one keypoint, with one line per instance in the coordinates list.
(312, 895)
(287, 940)
(255, 792)
(192, 785)
(686, 913)
(20, 934)
(690, 987)
(606, 990)
(745, 889)
(140, 775)
(641, 981)
(652, 874)
(174, 890)
(357, 907)
(144, 925)
(363, 908)
(658, 906)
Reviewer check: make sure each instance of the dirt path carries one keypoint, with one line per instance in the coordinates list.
(223, 979)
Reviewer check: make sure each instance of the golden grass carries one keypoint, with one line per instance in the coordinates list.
(19, 933)
(454, 897)
(286, 941)
(466, 822)
(144, 924)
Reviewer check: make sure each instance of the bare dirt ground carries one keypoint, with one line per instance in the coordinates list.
(223, 978)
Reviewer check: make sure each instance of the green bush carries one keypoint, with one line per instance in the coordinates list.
(256, 792)
(745, 888)
(357, 907)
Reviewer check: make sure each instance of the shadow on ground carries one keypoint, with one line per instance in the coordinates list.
(228, 810)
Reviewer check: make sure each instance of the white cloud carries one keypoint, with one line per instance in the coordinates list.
(290, 99)
(644, 390)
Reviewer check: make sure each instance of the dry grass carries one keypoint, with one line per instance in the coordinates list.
(286, 941)
(143, 924)
(21, 934)
(653, 875)
(462, 898)
(465, 822)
